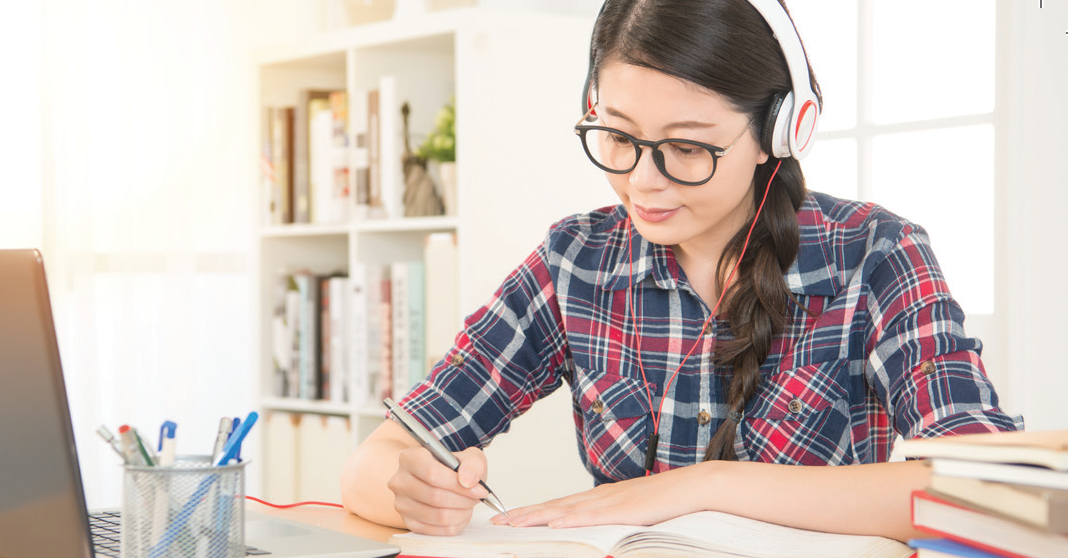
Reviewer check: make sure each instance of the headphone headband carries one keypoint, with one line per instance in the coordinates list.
(801, 107)
(793, 117)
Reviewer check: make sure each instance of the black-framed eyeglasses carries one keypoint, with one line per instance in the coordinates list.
(687, 162)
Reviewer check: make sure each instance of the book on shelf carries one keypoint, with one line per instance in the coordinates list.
(697, 534)
(1010, 538)
(328, 163)
(1043, 448)
(334, 375)
(307, 336)
(310, 102)
(384, 154)
(1044, 508)
(309, 343)
(278, 164)
(408, 319)
(442, 304)
(948, 548)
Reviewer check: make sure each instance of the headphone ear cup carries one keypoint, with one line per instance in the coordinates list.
(771, 122)
(775, 136)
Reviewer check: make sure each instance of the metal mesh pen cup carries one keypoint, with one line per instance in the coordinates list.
(190, 509)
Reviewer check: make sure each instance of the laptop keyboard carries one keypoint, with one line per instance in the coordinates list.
(106, 530)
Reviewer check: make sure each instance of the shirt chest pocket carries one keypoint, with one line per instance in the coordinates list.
(801, 417)
(615, 422)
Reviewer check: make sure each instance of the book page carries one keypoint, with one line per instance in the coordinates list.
(482, 538)
(749, 537)
(694, 535)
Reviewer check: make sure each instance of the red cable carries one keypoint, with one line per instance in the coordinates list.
(745, 245)
(284, 506)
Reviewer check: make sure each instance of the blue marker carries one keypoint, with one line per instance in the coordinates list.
(166, 443)
(233, 445)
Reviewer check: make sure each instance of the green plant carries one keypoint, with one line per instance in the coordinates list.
(440, 143)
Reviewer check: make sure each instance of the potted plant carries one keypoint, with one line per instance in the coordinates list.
(439, 150)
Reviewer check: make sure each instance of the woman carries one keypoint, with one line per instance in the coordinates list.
(718, 329)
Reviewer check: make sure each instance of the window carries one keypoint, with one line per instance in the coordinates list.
(909, 123)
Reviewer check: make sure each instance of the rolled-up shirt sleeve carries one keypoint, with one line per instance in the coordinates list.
(921, 362)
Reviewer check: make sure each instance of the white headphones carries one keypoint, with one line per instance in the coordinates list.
(790, 129)
(793, 119)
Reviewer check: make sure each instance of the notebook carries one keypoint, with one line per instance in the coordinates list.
(42, 503)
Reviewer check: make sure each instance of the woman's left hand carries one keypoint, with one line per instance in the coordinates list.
(640, 501)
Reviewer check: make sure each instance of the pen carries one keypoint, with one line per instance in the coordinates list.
(166, 443)
(440, 452)
(142, 448)
(129, 446)
(220, 438)
(111, 440)
(233, 429)
(233, 445)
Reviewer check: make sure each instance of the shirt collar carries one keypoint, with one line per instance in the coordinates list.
(648, 259)
(813, 272)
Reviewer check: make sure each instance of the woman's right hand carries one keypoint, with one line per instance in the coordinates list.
(433, 499)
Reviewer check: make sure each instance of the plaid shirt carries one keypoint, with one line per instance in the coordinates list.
(883, 351)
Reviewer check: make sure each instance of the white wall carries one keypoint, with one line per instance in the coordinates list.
(1032, 209)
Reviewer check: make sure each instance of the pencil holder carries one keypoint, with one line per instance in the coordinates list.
(190, 509)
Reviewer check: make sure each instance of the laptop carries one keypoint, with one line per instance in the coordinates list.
(42, 503)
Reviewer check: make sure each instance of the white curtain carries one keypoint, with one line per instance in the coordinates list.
(136, 146)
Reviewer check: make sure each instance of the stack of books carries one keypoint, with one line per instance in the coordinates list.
(993, 495)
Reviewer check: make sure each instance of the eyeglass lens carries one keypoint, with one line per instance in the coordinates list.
(680, 160)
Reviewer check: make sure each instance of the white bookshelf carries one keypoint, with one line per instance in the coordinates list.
(517, 79)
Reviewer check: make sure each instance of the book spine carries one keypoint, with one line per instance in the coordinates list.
(416, 323)
(356, 333)
(339, 321)
(401, 319)
(374, 147)
(389, 154)
(308, 336)
(385, 329)
(268, 182)
(918, 521)
(341, 191)
(320, 161)
(326, 378)
(292, 338)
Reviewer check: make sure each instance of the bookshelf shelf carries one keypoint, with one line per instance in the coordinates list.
(292, 405)
(408, 224)
(484, 60)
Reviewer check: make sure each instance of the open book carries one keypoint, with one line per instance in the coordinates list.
(698, 534)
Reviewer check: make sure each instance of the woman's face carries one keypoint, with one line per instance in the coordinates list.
(651, 105)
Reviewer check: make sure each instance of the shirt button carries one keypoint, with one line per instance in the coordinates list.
(597, 407)
(927, 368)
(708, 328)
(704, 417)
(456, 359)
(795, 406)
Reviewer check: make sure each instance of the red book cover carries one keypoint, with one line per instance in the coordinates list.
(993, 534)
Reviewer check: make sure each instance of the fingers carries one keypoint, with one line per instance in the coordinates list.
(553, 512)
(473, 467)
(430, 497)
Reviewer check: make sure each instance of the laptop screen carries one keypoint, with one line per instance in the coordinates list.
(42, 507)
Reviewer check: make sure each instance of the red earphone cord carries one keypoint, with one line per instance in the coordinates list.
(654, 437)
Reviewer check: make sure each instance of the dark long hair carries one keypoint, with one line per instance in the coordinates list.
(725, 46)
